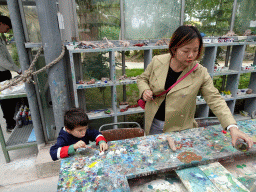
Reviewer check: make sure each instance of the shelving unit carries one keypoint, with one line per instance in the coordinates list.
(19, 136)
(233, 74)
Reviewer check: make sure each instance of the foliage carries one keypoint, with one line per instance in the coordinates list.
(14, 54)
(245, 13)
(214, 16)
(244, 80)
(95, 66)
(111, 32)
(134, 72)
(101, 17)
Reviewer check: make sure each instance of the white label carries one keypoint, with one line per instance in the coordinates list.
(61, 20)
(252, 23)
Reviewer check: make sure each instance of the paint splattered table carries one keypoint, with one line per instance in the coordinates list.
(133, 158)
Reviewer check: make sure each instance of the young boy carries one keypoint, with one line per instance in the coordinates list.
(75, 135)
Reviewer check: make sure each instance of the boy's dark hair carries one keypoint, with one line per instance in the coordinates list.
(6, 20)
(183, 35)
(75, 117)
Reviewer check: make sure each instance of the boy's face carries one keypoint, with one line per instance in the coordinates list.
(78, 131)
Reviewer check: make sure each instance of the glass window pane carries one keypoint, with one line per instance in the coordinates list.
(151, 19)
(211, 17)
(98, 19)
(32, 21)
(245, 17)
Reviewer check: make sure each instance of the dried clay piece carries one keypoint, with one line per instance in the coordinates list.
(248, 32)
(104, 79)
(107, 111)
(249, 91)
(109, 44)
(124, 43)
(139, 44)
(162, 42)
(123, 103)
(130, 106)
(230, 33)
(91, 82)
(171, 143)
(123, 77)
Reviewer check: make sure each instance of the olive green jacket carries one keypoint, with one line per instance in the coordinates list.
(181, 99)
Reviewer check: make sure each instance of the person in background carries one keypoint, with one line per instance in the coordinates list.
(175, 110)
(6, 66)
(75, 135)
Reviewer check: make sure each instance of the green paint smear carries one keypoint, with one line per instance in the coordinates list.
(242, 179)
(150, 186)
(135, 146)
(244, 165)
(239, 166)
(234, 184)
(99, 173)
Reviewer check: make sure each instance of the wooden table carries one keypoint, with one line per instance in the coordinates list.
(137, 158)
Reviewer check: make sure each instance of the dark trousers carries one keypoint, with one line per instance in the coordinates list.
(8, 105)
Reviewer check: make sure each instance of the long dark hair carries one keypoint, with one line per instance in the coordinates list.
(6, 20)
(183, 35)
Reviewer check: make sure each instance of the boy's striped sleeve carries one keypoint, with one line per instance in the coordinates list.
(59, 152)
(65, 151)
(99, 139)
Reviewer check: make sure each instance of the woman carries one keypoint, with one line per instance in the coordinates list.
(175, 110)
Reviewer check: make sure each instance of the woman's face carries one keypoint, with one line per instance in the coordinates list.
(186, 54)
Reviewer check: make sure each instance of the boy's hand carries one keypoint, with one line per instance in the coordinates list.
(79, 144)
(103, 146)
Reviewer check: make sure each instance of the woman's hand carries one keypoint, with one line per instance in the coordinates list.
(237, 134)
(147, 95)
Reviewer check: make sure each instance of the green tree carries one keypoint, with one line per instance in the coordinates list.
(211, 17)
(245, 13)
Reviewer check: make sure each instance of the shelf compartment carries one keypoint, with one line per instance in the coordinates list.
(11, 96)
(98, 114)
(229, 72)
(246, 96)
(102, 84)
(130, 48)
(19, 138)
(223, 44)
(126, 82)
(239, 117)
(247, 71)
(130, 111)
(200, 102)
(151, 45)
(229, 99)
(202, 111)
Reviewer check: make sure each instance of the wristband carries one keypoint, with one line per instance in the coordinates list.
(228, 127)
(102, 141)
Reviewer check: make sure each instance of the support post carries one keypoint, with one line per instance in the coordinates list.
(24, 62)
(70, 31)
(51, 41)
